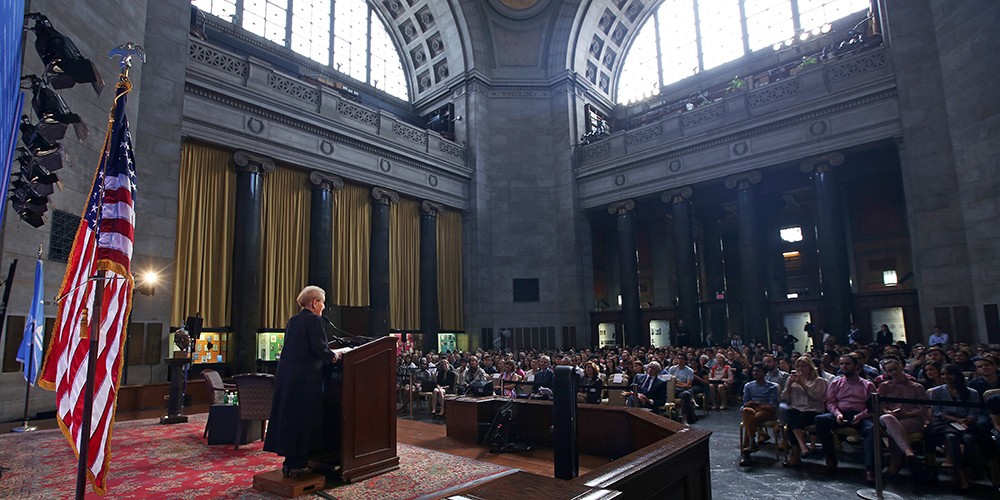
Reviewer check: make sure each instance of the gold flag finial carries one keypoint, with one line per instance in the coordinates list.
(84, 331)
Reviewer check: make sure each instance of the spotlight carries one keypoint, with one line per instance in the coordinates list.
(790, 42)
(145, 284)
(804, 36)
(826, 28)
(34, 140)
(64, 65)
(48, 154)
(53, 113)
(816, 31)
(776, 47)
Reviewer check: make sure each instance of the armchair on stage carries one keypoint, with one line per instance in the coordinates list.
(359, 421)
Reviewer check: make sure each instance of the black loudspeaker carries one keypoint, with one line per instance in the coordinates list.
(480, 388)
(193, 326)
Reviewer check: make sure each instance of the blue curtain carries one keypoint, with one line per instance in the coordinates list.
(11, 98)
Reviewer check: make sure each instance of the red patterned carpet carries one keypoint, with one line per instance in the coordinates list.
(149, 460)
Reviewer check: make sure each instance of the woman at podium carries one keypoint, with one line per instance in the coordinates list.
(297, 407)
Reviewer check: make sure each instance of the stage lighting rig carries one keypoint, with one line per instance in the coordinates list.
(31, 188)
(64, 65)
(53, 114)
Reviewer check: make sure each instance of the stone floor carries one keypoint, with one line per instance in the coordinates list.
(767, 479)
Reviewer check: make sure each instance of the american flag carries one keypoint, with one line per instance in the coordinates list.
(103, 243)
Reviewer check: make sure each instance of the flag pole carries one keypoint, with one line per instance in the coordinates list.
(31, 361)
(88, 395)
(125, 51)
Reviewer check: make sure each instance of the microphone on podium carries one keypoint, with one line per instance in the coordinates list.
(357, 339)
(332, 336)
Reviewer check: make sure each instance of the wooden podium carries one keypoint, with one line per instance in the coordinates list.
(359, 413)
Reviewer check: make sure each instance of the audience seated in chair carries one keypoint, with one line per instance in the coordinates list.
(955, 427)
(805, 394)
(900, 419)
(650, 391)
(684, 376)
(507, 386)
(760, 402)
(720, 379)
(590, 387)
(444, 384)
(846, 402)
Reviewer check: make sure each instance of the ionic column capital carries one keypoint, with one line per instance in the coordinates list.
(325, 182)
(254, 163)
(621, 207)
(822, 163)
(431, 209)
(744, 180)
(384, 196)
(677, 195)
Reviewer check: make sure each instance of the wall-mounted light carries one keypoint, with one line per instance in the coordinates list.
(889, 277)
(145, 283)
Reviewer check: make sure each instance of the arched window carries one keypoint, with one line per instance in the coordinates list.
(686, 37)
(343, 34)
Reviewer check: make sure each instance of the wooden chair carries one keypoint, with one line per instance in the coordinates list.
(700, 399)
(670, 407)
(775, 426)
(255, 392)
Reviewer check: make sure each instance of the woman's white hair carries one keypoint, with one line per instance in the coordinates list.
(309, 294)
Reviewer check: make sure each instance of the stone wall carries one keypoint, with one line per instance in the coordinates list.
(969, 53)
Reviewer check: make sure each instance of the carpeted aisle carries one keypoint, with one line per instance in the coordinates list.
(149, 460)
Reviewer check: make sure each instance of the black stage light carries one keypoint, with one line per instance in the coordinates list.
(34, 140)
(54, 115)
(27, 204)
(64, 65)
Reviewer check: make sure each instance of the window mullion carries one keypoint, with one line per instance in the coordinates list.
(697, 36)
(796, 22)
(333, 22)
(368, 51)
(288, 23)
(743, 26)
(239, 13)
(659, 49)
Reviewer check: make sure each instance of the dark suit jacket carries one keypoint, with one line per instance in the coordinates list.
(543, 379)
(657, 392)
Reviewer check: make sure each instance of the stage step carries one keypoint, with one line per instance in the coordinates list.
(273, 482)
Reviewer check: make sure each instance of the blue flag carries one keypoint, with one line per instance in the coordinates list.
(30, 352)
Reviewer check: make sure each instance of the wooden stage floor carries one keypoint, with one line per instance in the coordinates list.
(433, 436)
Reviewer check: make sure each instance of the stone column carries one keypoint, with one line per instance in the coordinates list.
(378, 262)
(752, 294)
(831, 241)
(625, 212)
(321, 229)
(774, 260)
(685, 266)
(429, 320)
(247, 234)
(715, 271)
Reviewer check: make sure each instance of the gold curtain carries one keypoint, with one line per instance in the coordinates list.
(351, 241)
(449, 264)
(285, 245)
(404, 265)
(206, 207)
